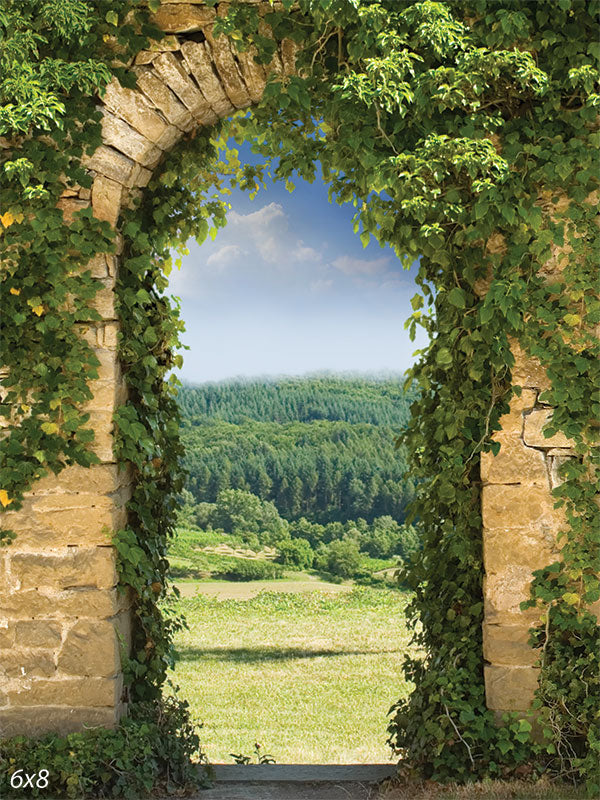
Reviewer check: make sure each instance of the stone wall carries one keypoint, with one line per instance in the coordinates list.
(62, 618)
(520, 525)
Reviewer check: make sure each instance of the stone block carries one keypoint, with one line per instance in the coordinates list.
(508, 645)
(16, 663)
(510, 688)
(170, 43)
(123, 626)
(164, 99)
(503, 593)
(556, 462)
(38, 633)
(274, 66)
(63, 520)
(515, 463)
(527, 547)
(104, 299)
(535, 422)
(527, 371)
(108, 369)
(99, 479)
(140, 178)
(519, 506)
(90, 692)
(106, 201)
(110, 333)
(97, 265)
(169, 138)
(117, 133)
(253, 74)
(113, 164)
(132, 107)
(63, 605)
(69, 206)
(7, 631)
(108, 394)
(512, 422)
(182, 17)
(37, 720)
(173, 74)
(103, 444)
(75, 566)
(220, 54)
(200, 65)
(91, 648)
(110, 163)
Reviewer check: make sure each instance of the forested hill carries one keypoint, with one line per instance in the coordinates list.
(371, 400)
(319, 447)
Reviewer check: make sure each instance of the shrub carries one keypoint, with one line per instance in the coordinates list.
(249, 570)
(150, 751)
(343, 558)
(295, 553)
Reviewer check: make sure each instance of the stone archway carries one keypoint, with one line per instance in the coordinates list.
(63, 616)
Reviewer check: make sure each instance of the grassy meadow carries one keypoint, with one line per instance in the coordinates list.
(310, 675)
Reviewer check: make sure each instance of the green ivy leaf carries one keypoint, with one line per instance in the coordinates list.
(457, 297)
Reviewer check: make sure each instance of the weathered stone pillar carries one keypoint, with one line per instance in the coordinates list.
(63, 621)
(520, 526)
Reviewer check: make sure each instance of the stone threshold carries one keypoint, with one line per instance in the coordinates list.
(302, 773)
(296, 781)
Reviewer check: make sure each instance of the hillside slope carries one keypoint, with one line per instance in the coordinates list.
(319, 447)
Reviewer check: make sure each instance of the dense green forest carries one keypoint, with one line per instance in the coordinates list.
(321, 448)
(376, 401)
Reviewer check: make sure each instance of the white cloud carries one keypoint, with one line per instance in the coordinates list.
(265, 235)
(266, 228)
(224, 255)
(262, 218)
(303, 252)
(361, 266)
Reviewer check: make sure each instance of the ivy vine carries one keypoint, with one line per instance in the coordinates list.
(450, 125)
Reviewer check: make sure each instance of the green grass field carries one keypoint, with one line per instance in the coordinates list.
(309, 676)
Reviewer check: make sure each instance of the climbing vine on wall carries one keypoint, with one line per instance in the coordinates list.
(451, 126)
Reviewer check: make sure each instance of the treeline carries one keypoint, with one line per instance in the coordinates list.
(376, 401)
(320, 448)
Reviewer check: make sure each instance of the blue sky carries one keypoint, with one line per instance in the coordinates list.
(287, 288)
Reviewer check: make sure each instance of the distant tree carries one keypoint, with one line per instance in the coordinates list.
(311, 531)
(295, 553)
(204, 515)
(240, 512)
(187, 508)
(343, 558)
